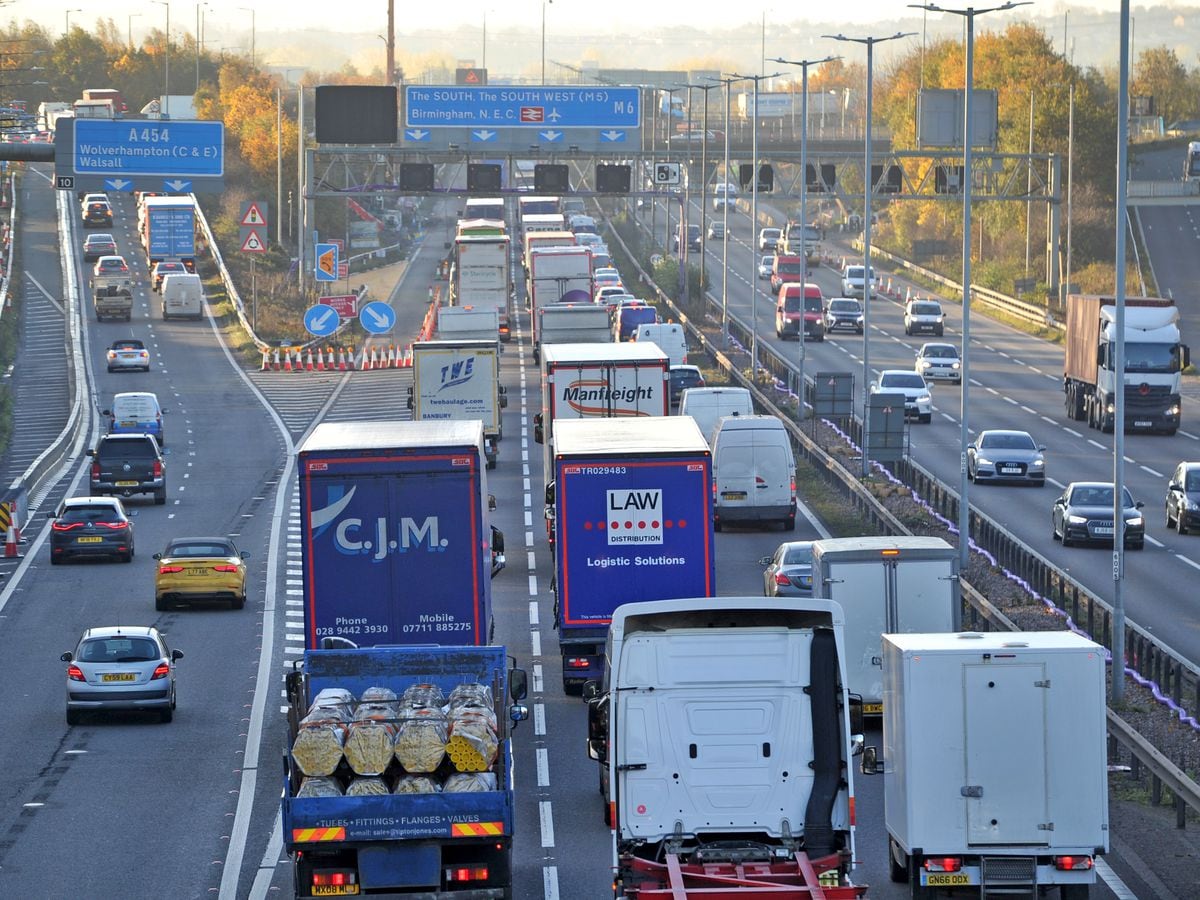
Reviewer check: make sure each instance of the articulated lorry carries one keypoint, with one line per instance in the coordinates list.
(599, 381)
(630, 510)
(483, 275)
(459, 381)
(466, 323)
(558, 275)
(884, 585)
(396, 545)
(724, 735)
(168, 229)
(1154, 361)
(570, 323)
(399, 777)
(994, 762)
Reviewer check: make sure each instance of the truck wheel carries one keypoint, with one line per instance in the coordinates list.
(1073, 891)
(716, 524)
(897, 871)
(789, 524)
(608, 815)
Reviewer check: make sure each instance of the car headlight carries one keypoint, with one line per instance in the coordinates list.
(1037, 464)
(1135, 521)
(1077, 520)
(1190, 504)
(924, 397)
(858, 320)
(954, 366)
(982, 461)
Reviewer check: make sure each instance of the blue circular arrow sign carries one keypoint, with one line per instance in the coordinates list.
(377, 317)
(321, 321)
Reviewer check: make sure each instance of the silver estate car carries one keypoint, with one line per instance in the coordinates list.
(125, 667)
(1006, 456)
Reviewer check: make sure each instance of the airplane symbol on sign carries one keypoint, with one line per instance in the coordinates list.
(554, 115)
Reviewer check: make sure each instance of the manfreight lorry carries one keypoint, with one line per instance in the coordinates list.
(570, 323)
(599, 381)
(396, 545)
(483, 275)
(994, 762)
(430, 821)
(885, 585)
(724, 735)
(168, 229)
(1154, 361)
(466, 323)
(459, 381)
(631, 509)
(559, 275)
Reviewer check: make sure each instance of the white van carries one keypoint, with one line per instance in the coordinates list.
(669, 337)
(724, 194)
(707, 405)
(182, 295)
(754, 472)
(136, 412)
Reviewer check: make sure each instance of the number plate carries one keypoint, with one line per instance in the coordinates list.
(947, 879)
(1101, 529)
(89, 540)
(733, 495)
(1142, 424)
(126, 484)
(197, 571)
(872, 709)
(334, 890)
(1011, 470)
(119, 676)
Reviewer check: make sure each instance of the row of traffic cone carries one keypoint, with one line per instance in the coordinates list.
(386, 358)
(300, 359)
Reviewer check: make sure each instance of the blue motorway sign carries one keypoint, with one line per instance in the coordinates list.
(321, 321)
(163, 147)
(508, 106)
(377, 317)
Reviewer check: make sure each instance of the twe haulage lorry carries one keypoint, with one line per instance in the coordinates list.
(994, 763)
(630, 509)
(724, 736)
(904, 583)
(389, 793)
(599, 381)
(1154, 361)
(459, 381)
(396, 544)
(483, 275)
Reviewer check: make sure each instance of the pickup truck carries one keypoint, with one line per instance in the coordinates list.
(112, 297)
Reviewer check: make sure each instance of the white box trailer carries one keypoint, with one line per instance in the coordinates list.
(465, 323)
(570, 323)
(886, 585)
(459, 381)
(994, 761)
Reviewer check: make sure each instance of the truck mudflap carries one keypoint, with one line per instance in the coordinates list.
(792, 878)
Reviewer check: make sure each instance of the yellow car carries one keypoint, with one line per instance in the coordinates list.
(200, 568)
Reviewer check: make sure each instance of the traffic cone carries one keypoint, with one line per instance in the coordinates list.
(350, 358)
(320, 360)
(10, 542)
(391, 357)
(266, 362)
(275, 364)
(908, 293)
(287, 359)
(373, 362)
(341, 360)
(308, 367)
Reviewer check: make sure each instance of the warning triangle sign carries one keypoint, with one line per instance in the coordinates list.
(472, 77)
(253, 216)
(253, 243)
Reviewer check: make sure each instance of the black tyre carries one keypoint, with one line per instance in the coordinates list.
(1180, 524)
(160, 497)
(1073, 891)
(166, 715)
(717, 525)
(927, 418)
(55, 560)
(789, 524)
(608, 815)
(238, 602)
(160, 603)
(127, 557)
(1140, 545)
(74, 716)
(897, 872)
(1170, 523)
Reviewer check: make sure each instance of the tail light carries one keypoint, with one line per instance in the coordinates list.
(66, 526)
(577, 662)
(793, 485)
(330, 878)
(115, 526)
(943, 864)
(1073, 863)
(169, 570)
(95, 471)
(467, 873)
(162, 670)
(781, 579)
(74, 673)
(225, 568)
(158, 470)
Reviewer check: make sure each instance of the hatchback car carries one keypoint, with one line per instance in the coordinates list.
(844, 312)
(97, 214)
(765, 266)
(164, 268)
(1006, 456)
(1183, 497)
(111, 265)
(854, 282)
(90, 526)
(918, 402)
(127, 353)
(1084, 512)
(939, 361)
(716, 229)
(126, 667)
(200, 568)
(98, 245)
(607, 280)
(603, 292)
(789, 571)
(682, 378)
(693, 238)
(924, 316)
(768, 238)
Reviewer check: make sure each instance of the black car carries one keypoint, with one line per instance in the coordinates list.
(97, 214)
(91, 526)
(1183, 497)
(682, 378)
(128, 464)
(1084, 513)
(693, 238)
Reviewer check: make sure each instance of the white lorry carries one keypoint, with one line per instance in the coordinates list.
(465, 323)
(599, 381)
(460, 380)
(559, 275)
(483, 275)
(886, 585)
(570, 323)
(994, 762)
(723, 731)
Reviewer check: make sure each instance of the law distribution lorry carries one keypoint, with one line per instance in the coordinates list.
(603, 381)
(168, 228)
(1154, 361)
(483, 275)
(459, 381)
(631, 507)
(994, 762)
(396, 544)
(724, 734)
(453, 839)
(886, 584)
(570, 323)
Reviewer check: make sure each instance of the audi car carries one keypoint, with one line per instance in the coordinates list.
(200, 568)
(999, 455)
(1084, 514)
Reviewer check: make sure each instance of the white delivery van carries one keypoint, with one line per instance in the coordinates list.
(136, 412)
(669, 337)
(707, 405)
(182, 296)
(754, 472)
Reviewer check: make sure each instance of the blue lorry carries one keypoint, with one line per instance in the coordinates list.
(443, 843)
(396, 548)
(630, 509)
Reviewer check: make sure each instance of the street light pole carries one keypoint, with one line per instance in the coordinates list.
(868, 189)
(727, 82)
(67, 20)
(803, 64)
(164, 111)
(129, 27)
(964, 505)
(704, 182)
(253, 32)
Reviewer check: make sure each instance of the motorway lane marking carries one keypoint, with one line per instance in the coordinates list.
(546, 817)
(543, 766)
(1010, 400)
(535, 643)
(528, 519)
(1048, 420)
(1096, 443)
(539, 719)
(1188, 434)
(1153, 541)
(1150, 471)
(1071, 431)
(533, 612)
(528, 536)
(550, 882)
(1032, 412)
(525, 486)
(1113, 881)
(532, 560)
(537, 678)
(1190, 562)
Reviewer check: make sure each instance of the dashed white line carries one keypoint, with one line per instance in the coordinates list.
(543, 767)
(1096, 443)
(533, 613)
(535, 642)
(537, 678)
(1190, 562)
(547, 822)
(1150, 471)
(1151, 540)
(539, 719)
(1071, 431)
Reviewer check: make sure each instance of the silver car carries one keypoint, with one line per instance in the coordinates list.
(1006, 456)
(126, 667)
(939, 361)
(765, 265)
(918, 402)
(788, 570)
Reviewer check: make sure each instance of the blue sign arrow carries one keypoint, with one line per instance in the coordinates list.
(484, 135)
(321, 321)
(148, 147)
(612, 136)
(564, 106)
(550, 136)
(118, 184)
(377, 317)
(178, 185)
(417, 134)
